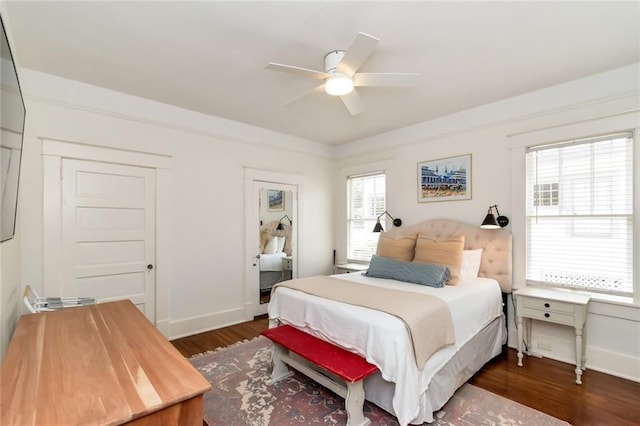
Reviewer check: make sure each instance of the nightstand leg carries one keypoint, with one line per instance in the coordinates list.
(584, 348)
(520, 337)
(579, 349)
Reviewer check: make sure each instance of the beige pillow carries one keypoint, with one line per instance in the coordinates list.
(446, 252)
(399, 247)
(264, 238)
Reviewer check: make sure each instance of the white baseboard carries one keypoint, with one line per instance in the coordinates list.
(202, 323)
(612, 363)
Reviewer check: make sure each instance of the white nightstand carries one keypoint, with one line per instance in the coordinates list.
(559, 307)
(287, 265)
(345, 268)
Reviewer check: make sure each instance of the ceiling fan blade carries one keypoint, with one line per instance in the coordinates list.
(352, 102)
(316, 89)
(386, 79)
(361, 48)
(304, 72)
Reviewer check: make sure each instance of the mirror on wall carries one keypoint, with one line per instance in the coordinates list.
(12, 114)
(276, 226)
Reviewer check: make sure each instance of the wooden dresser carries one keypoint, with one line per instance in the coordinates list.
(103, 364)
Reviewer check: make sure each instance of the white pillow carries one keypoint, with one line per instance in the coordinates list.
(470, 264)
(280, 244)
(271, 246)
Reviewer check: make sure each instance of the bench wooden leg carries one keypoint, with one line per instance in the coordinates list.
(280, 369)
(354, 404)
(353, 394)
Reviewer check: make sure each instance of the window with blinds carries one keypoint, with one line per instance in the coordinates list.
(365, 202)
(580, 214)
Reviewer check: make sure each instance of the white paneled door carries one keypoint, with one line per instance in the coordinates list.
(108, 229)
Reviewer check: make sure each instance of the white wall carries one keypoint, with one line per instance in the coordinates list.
(206, 288)
(487, 133)
(10, 292)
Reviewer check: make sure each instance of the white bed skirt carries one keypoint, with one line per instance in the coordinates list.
(268, 279)
(465, 363)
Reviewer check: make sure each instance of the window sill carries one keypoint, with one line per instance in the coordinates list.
(357, 262)
(610, 298)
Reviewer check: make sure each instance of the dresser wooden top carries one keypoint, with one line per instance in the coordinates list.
(102, 364)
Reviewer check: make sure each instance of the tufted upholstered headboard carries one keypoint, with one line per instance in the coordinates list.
(496, 245)
(270, 227)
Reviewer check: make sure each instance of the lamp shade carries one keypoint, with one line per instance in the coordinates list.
(490, 221)
(378, 227)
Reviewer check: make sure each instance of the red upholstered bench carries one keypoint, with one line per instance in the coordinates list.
(349, 367)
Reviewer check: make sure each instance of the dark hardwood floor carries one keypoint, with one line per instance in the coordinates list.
(543, 384)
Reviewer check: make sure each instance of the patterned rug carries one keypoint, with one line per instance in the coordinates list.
(239, 396)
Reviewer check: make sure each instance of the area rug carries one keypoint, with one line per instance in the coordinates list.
(239, 396)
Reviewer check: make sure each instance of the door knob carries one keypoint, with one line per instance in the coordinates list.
(149, 266)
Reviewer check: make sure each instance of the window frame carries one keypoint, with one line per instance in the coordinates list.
(367, 220)
(616, 121)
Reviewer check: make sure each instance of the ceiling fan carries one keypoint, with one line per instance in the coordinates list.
(340, 76)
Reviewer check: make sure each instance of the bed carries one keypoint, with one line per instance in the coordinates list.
(410, 392)
(275, 246)
(270, 270)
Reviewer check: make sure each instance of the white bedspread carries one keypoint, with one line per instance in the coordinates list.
(271, 262)
(382, 338)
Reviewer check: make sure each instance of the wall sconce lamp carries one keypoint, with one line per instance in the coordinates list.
(280, 227)
(491, 222)
(378, 227)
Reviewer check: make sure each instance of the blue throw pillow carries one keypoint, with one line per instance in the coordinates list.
(410, 272)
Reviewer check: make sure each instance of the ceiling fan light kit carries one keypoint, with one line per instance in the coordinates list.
(338, 84)
(340, 75)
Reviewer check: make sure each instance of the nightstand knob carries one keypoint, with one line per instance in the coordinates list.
(546, 305)
(547, 315)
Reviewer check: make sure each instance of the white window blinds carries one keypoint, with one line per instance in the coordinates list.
(580, 214)
(365, 202)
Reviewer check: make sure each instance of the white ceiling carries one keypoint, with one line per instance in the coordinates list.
(210, 56)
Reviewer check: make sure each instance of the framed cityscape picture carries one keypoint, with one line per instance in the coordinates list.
(445, 179)
(275, 200)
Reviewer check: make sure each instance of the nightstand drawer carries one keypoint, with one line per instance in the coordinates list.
(287, 263)
(547, 315)
(547, 305)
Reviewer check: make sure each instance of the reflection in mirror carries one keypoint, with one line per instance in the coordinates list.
(276, 257)
(12, 113)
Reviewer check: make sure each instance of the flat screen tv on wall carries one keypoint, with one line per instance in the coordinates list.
(12, 114)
